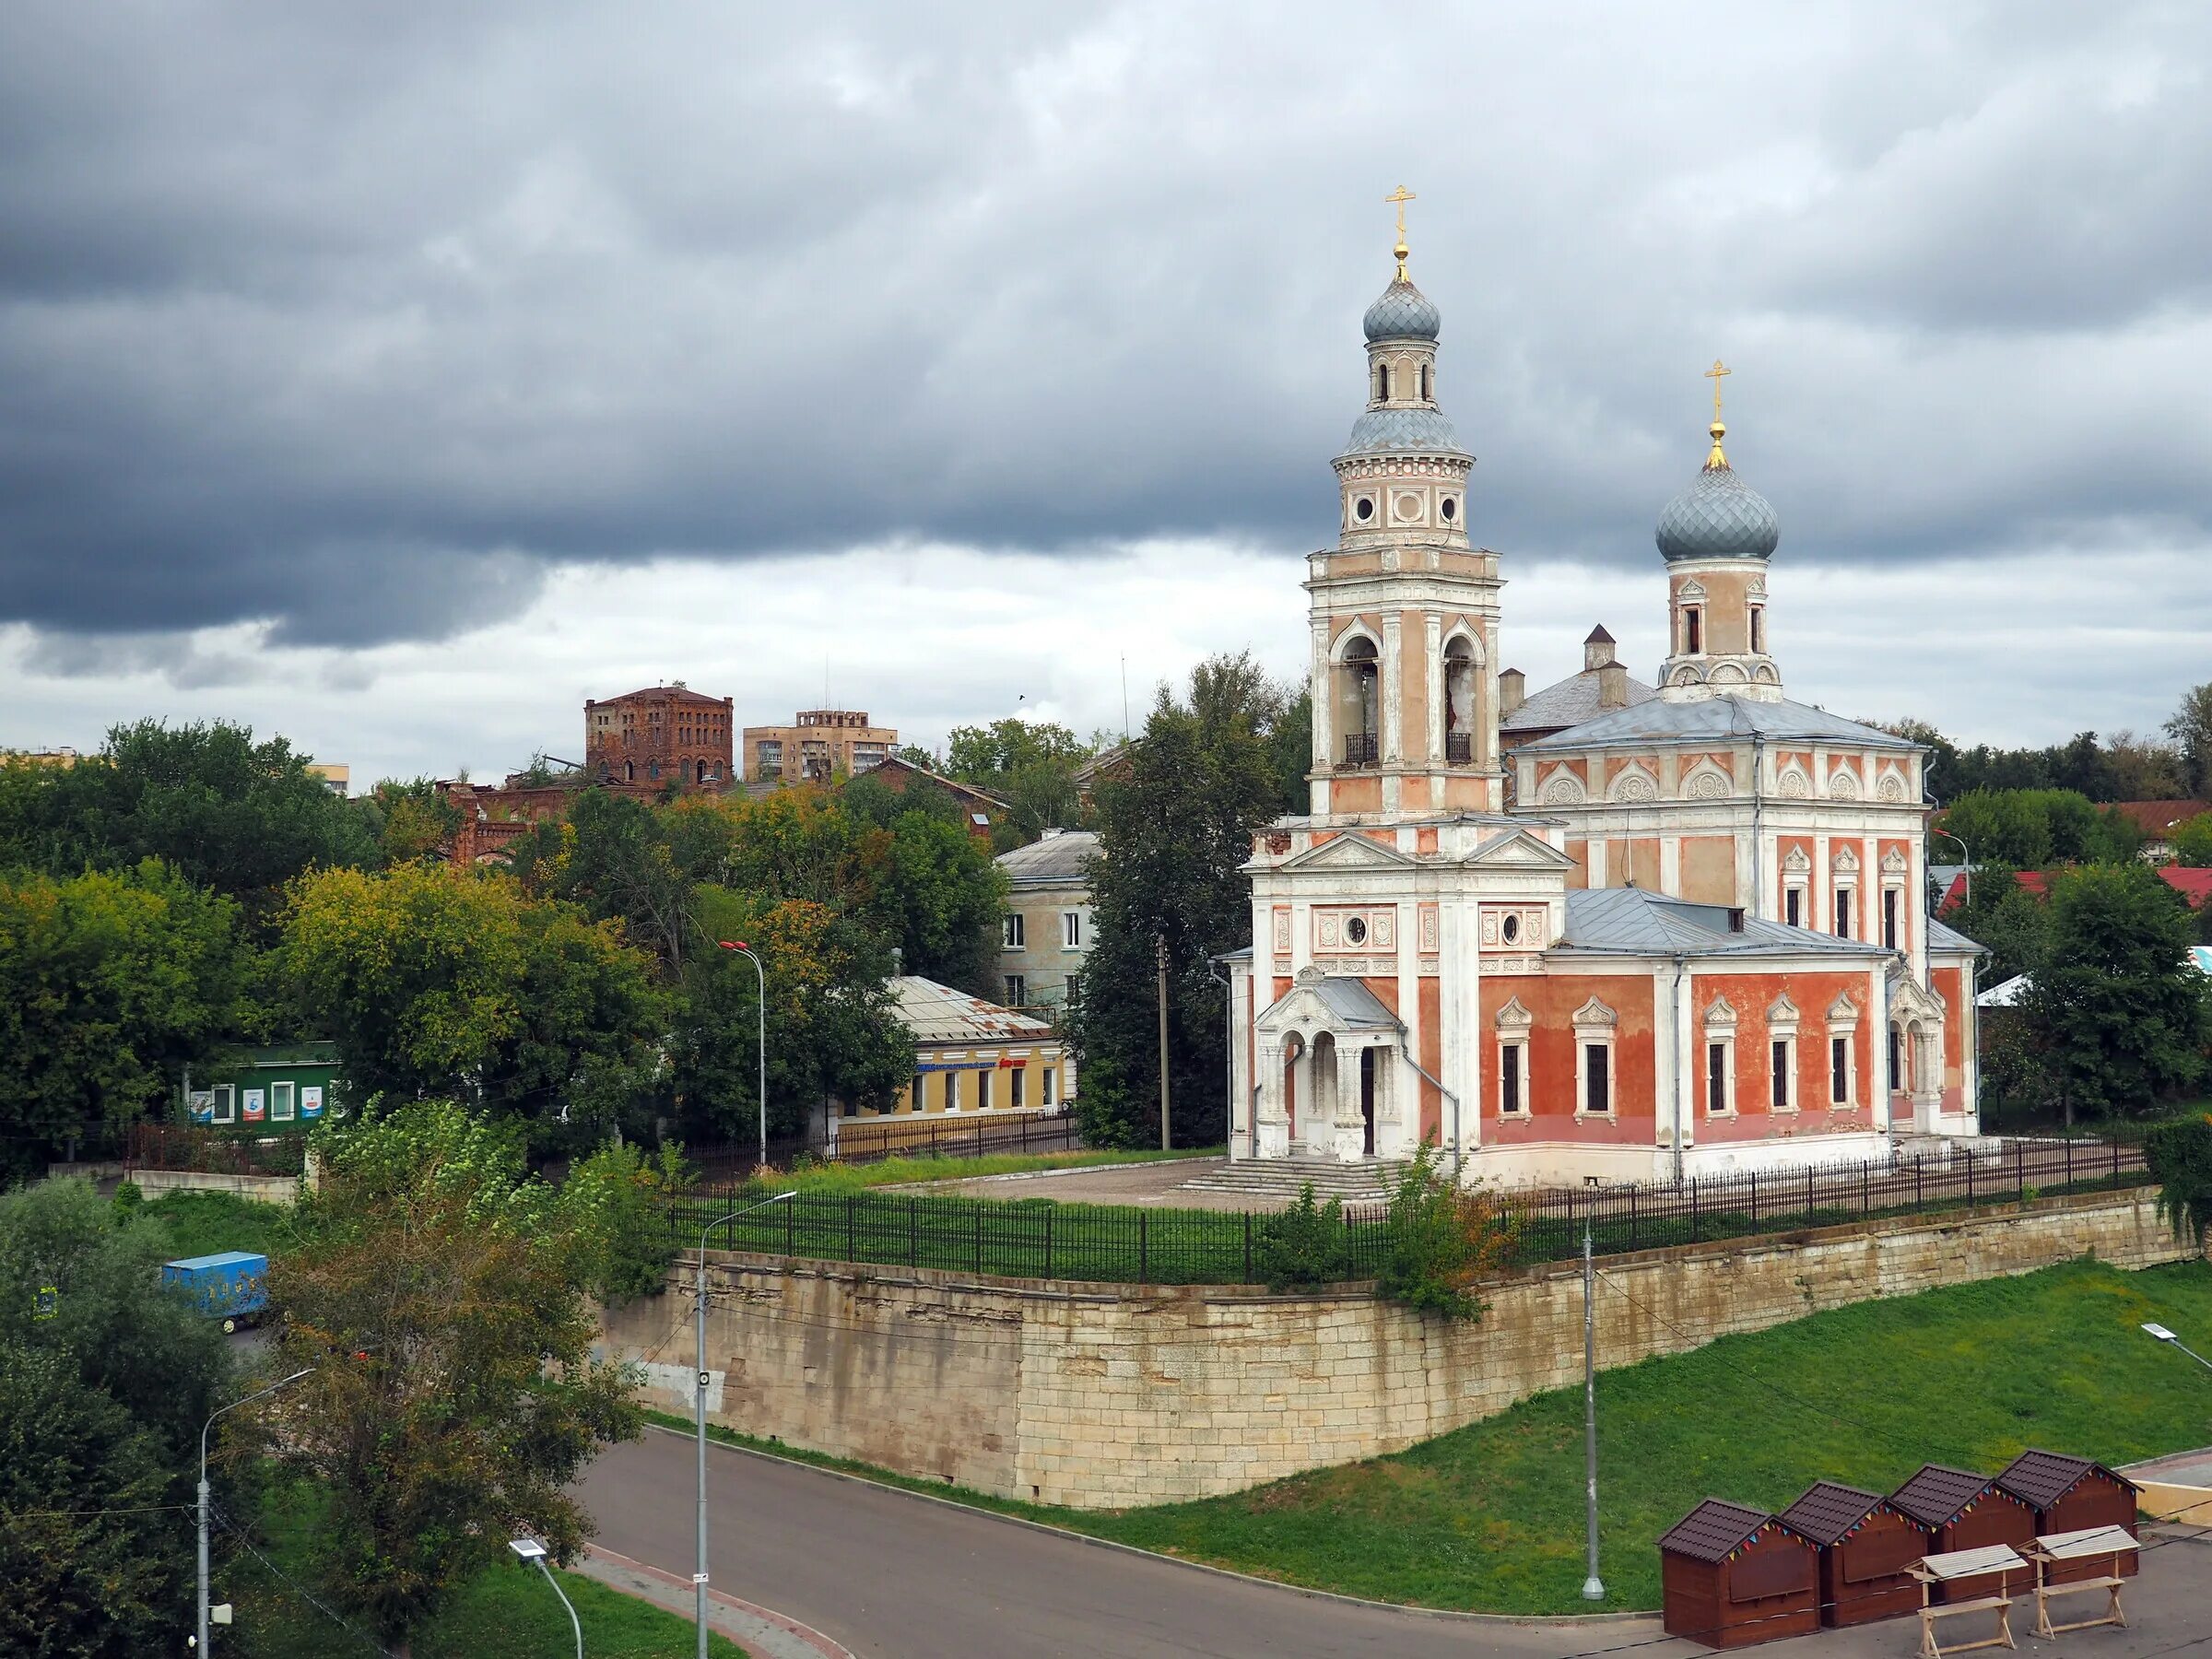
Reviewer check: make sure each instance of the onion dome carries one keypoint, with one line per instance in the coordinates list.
(1400, 431)
(1720, 516)
(1403, 312)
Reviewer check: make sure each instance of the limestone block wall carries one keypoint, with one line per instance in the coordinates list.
(1108, 1396)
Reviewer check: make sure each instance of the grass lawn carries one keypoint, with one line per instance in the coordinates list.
(1490, 1517)
(903, 1172)
(508, 1613)
(204, 1223)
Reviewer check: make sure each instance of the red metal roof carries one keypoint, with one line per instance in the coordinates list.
(2156, 818)
(2195, 886)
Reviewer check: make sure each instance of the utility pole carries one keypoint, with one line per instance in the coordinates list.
(1160, 944)
(1593, 1588)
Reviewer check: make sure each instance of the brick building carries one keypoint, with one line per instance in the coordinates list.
(817, 744)
(659, 735)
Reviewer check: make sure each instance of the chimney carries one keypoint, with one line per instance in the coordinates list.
(1597, 650)
(1612, 683)
(1512, 690)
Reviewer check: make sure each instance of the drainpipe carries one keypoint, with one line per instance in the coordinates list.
(1681, 1037)
(1229, 1001)
(1458, 1153)
(1758, 837)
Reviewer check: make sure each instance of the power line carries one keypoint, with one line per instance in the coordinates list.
(302, 1590)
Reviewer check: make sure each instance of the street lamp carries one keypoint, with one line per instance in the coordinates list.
(1965, 875)
(2163, 1334)
(698, 1396)
(530, 1549)
(745, 950)
(204, 1504)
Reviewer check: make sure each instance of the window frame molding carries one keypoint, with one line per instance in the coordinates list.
(1783, 1023)
(1597, 1026)
(1013, 932)
(1720, 1032)
(1514, 1025)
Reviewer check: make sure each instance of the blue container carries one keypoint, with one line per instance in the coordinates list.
(232, 1286)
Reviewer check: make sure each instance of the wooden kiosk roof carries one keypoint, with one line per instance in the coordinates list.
(1709, 1532)
(1938, 1495)
(2041, 1478)
(1828, 1510)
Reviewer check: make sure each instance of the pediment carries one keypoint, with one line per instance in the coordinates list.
(1909, 999)
(1595, 1013)
(1719, 1014)
(1842, 1009)
(1894, 862)
(1514, 1017)
(1795, 862)
(1781, 1010)
(1350, 852)
(1519, 850)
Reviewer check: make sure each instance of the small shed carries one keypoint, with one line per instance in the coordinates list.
(1965, 1510)
(1731, 1576)
(1867, 1547)
(2070, 1494)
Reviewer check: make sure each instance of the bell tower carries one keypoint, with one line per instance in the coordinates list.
(1716, 537)
(1405, 607)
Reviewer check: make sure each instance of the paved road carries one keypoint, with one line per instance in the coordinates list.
(894, 1576)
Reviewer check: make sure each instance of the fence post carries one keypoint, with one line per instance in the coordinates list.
(2069, 1144)
(1025, 1132)
(1144, 1248)
(850, 1199)
(1694, 1233)
(979, 1237)
(1632, 1188)
(2116, 1160)
(790, 1224)
(2020, 1171)
(1970, 1178)
(1048, 1241)
(978, 1137)
(1754, 1174)
(1248, 1247)
(1919, 1198)
(1808, 1195)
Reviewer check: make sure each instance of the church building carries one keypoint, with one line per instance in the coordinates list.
(1638, 932)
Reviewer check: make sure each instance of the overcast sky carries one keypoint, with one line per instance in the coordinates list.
(396, 376)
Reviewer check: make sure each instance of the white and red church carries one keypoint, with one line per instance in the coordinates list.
(1607, 930)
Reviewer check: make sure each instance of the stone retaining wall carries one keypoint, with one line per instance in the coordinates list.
(269, 1189)
(1110, 1395)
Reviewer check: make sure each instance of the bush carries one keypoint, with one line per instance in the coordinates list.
(1304, 1246)
(1443, 1238)
(2180, 1155)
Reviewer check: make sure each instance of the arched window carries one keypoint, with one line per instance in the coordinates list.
(1428, 384)
(1358, 702)
(1382, 382)
(1459, 700)
(703, 772)
(629, 771)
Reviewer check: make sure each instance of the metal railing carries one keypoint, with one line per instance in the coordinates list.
(1037, 1238)
(871, 1140)
(212, 1152)
(1360, 748)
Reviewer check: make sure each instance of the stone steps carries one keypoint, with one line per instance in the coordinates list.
(1366, 1181)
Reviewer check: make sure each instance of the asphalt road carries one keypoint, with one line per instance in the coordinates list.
(891, 1574)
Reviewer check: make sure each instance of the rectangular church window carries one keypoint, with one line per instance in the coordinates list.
(1839, 1070)
(1598, 1087)
(1781, 1076)
(1509, 1077)
(1716, 1079)
(1693, 631)
(1793, 906)
(1889, 918)
(1843, 912)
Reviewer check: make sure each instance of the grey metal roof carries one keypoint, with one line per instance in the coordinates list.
(1720, 516)
(1058, 859)
(1569, 702)
(1715, 720)
(1942, 936)
(1356, 1008)
(1425, 430)
(935, 1012)
(1402, 312)
(1634, 922)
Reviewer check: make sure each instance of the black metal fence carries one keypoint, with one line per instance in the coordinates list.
(871, 1140)
(210, 1152)
(1037, 1238)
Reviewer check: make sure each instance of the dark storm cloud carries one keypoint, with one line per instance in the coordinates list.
(354, 319)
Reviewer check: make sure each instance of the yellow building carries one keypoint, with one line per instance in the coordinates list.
(972, 1060)
(818, 743)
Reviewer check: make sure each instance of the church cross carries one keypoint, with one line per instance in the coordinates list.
(1714, 374)
(1399, 198)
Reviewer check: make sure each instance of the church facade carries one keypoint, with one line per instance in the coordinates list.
(1686, 934)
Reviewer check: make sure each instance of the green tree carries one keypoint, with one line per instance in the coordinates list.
(1175, 828)
(2180, 1155)
(410, 819)
(458, 1285)
(2190, 729)
(100, 1405)
(111, 985)
(224, 811)
(2193, 842)
(2006, 917)
(2122, 1013)
(1444, 1239)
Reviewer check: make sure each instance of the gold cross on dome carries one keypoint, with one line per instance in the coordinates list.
(1714, 374)
(1399, 198)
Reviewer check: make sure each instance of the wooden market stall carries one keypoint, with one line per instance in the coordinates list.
(1963, 1511)
(2071, 1494)
(2079, 1563)
(1731, 1576)
(1867, 1547)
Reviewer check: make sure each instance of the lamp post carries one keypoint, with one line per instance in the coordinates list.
(1965, 875)
(1593, 1587)
(530, 1549)
(2163, 1334)
(204, 1505)
(698, 1396)
(745, 950)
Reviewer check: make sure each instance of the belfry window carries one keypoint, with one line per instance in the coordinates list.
(1459, 701)
(1427, 383)
(1693, 631)
(1382, 382)
(1358, 702)
(1759, 628)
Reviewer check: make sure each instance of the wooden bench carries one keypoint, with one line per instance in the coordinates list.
(2086, 1545)
(1949, 1568)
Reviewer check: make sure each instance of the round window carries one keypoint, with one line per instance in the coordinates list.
(1363, 509)
(1450, 509)
(1409, 506)
(1511, 929)
(1355, 930)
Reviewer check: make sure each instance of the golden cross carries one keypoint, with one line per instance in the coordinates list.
(1714, 374)
(1399, 197)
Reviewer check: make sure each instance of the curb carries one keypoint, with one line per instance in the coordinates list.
(1557, 1621)
(748, 1612)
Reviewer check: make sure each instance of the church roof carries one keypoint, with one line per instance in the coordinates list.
(1719, 516)
(1569, 702)
(1635, 922)
(1715, 720)
(1943, 937)
(1427, 431)
(1402, 312)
